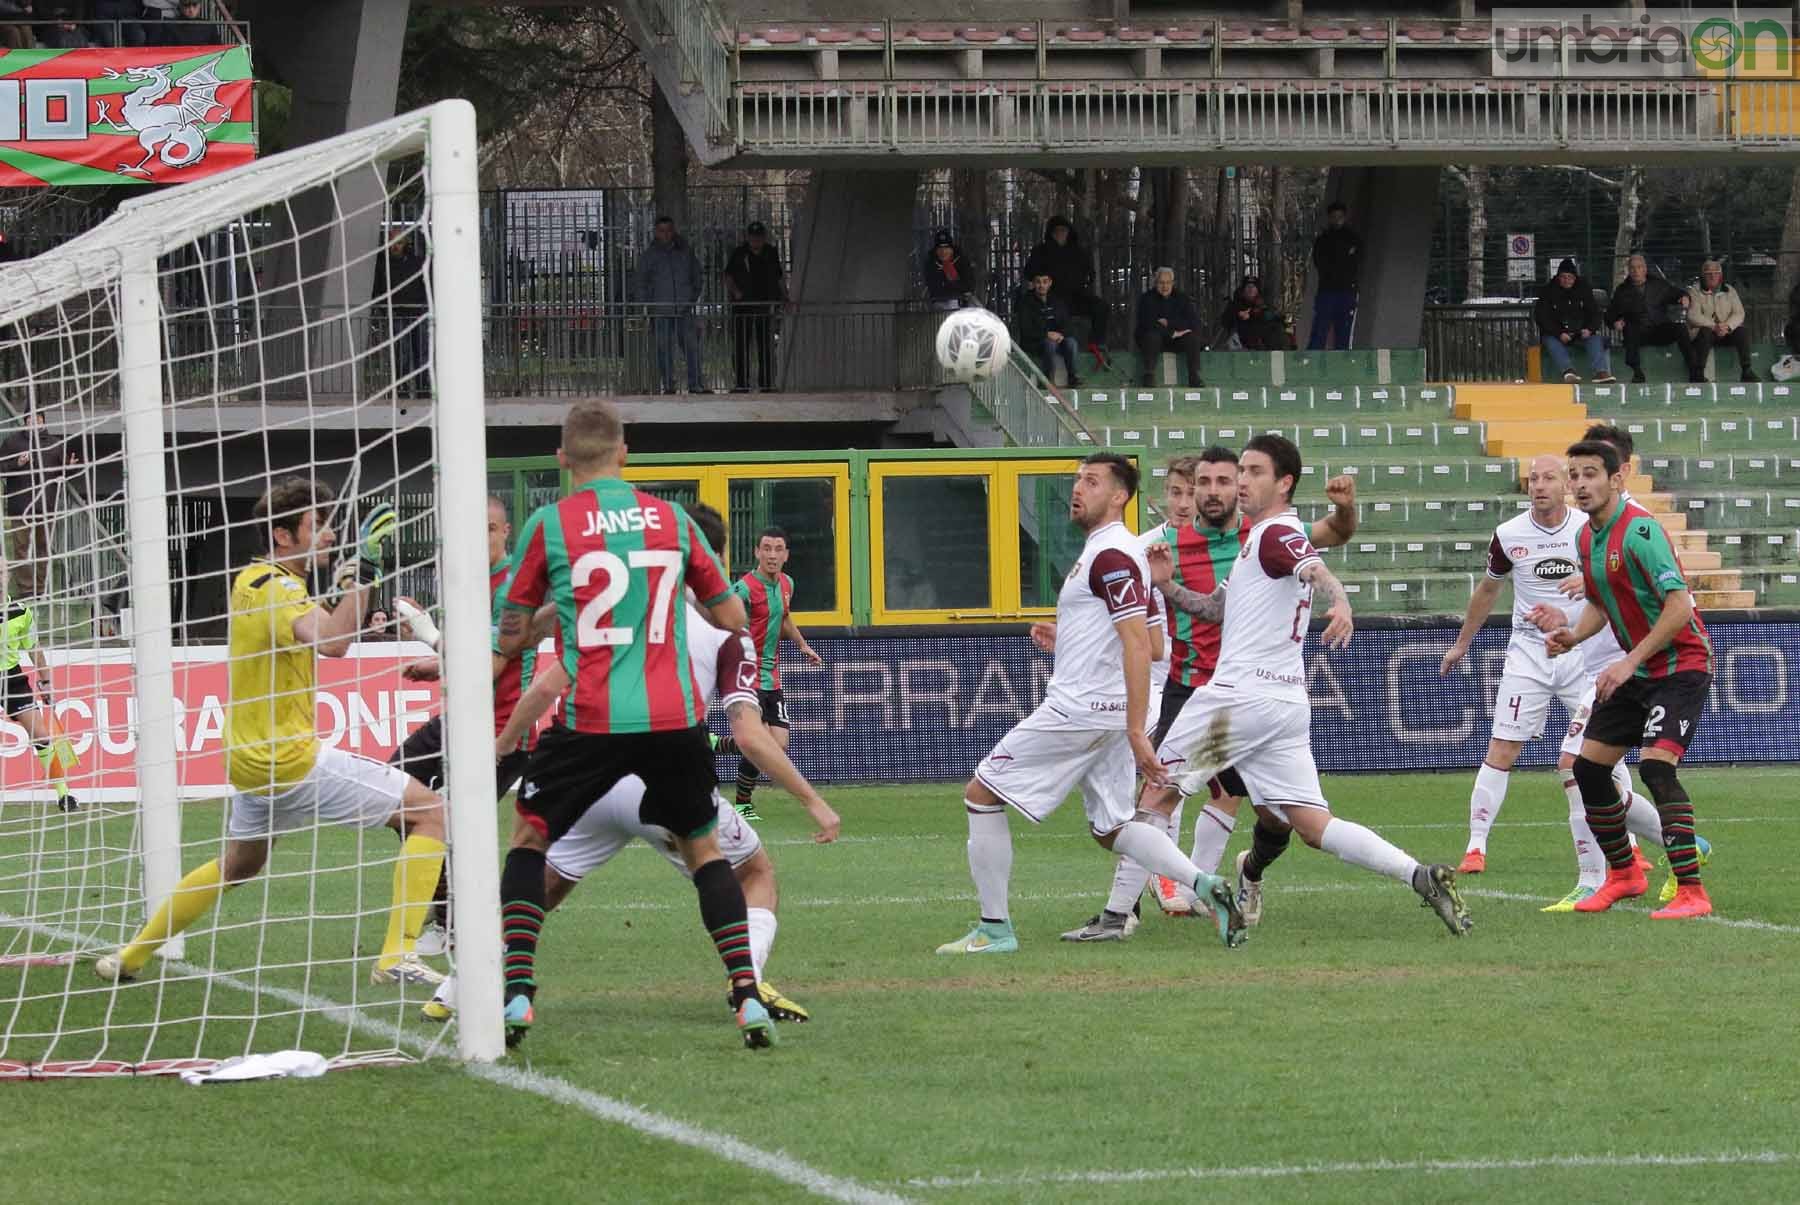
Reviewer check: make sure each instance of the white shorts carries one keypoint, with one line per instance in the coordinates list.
(1037, 764)
(1267, 741)
(341, 788)
(612, 823)
(1578, 722)
(1530, 679)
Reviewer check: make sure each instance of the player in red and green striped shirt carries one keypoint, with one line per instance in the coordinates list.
(1654, 696)
(614, 561)
(767, 593)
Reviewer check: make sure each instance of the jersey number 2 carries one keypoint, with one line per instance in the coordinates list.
(616, 582)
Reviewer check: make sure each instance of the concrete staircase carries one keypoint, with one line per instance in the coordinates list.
(1525, 421)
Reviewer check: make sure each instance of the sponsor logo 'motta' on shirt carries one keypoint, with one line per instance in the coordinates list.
(1554, 569)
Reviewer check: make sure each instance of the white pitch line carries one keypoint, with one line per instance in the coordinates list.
(1370, 1167)
(1730, 922)
(655, 1125)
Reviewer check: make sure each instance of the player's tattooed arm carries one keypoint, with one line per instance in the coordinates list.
(546, 687)
(1337, 527)
(1210, 608)
(1325, 585)
(515, 632)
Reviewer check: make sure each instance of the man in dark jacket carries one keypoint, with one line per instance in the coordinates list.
(400, 297)
(1337, 254)
(1640, 311)
(754, 283)
(1251, 321)
(949, 278)
(1566, 313)
(1062, 257)
(1167, 321)
(33, 465)
(1791, 332)
(1041, 328)
(667, 280)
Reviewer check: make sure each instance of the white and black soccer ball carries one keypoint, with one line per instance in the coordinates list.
(973, 343)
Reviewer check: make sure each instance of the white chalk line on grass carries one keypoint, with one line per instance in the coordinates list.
(655, 1125)
(1369, 1167)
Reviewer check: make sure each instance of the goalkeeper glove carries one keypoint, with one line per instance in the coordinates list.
(421, 624)
(376, 539)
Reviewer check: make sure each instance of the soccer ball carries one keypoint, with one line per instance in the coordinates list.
(973, 343)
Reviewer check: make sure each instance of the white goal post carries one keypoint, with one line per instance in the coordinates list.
(316, 313)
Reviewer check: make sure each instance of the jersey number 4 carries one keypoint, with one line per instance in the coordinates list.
(664, 565)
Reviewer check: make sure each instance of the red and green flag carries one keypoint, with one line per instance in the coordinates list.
(117, 115)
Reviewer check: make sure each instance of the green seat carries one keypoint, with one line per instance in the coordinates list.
(1753, 508)
(1752, 547)
(1775, 587)
(1289, 399)
(1320, 438)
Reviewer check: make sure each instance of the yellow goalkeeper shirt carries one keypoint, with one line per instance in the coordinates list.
(271, 739)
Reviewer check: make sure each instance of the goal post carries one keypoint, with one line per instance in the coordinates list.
(313, 314)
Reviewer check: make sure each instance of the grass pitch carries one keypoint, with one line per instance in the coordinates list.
(1352, 1051)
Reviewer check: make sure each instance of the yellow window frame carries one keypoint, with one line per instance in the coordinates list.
(879, 474)
(713, 485)
(1007, 485)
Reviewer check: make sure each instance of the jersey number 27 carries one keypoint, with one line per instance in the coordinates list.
(664, 565)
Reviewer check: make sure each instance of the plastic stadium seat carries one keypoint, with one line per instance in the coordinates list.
(980, 36)
(1181, 35)
(1025, 33)
(783, 36)
(1086, 36)
(1235, 33)
(1279, 33)
(1470, 33)
(932, 33)
(1128, 33)
(1314, 436)
(1372, 33)
(1327, 33)
(1423, 33)
(832, 37)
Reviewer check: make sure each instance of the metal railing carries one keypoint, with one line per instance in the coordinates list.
(1491, 342)
(1025, 407)
(700, 38)
(936, 117)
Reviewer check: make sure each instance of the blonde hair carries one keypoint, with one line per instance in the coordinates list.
(592, 431)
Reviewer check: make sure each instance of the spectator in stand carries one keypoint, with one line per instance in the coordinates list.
(1790, 332)
(191, 28)
(1337, 254)
(400, 296)
(1250, 323)
(1716, 315)
(1167, 322)
(949, 280)
(65, 34)
(754, 283)
(116, 22)
(1041, 326)
(1566, 313)
(1640, 312)
(32, 467)
(16, 37)
(1061, 257)
(668, 281)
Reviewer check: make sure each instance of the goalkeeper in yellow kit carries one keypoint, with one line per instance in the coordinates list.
(283, 779)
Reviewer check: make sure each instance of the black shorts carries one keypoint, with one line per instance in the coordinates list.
(1659, 713)
(15, 692)
(570, 771)
(422, 756)
(1174, 698)
(774, 708)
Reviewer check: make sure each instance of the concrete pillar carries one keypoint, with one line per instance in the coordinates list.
(668, 158)
(342, 60)
(1394, 209)
(853, 241)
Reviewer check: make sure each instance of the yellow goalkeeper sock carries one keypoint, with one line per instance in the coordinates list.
(192, 898)
(415, 882)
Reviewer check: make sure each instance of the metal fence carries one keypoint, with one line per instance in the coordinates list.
(943, 117)
(1026, 407)
(1490, 342)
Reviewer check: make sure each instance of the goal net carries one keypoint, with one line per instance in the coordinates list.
(314, 315)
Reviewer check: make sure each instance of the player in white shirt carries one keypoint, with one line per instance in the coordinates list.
(1091, 728)
(1255, 715)
(1598, 652)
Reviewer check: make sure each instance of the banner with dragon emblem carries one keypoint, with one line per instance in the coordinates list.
(142, 115)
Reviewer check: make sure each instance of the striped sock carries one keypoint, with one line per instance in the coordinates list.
(746, 781)
(727, 921)
(1678, 841)
(1607, 820)
(522, 918)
